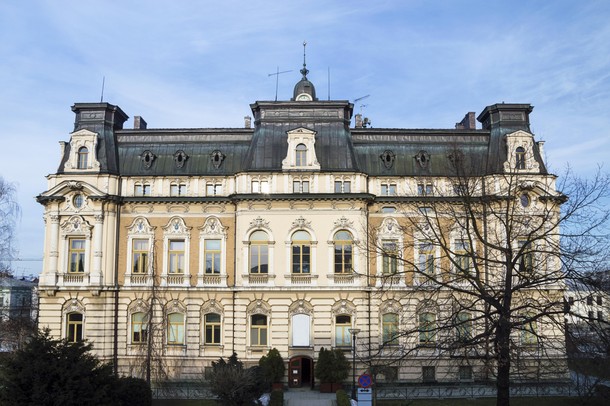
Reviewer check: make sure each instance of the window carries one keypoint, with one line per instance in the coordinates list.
(590, 300)
(300, 186)
(463, 326)
(140, 256)
(426, 258)
(141, 190)
(301, 326)
(259, 252)
(177, 189)
(212, 256)
(176, 256)
(599, 300)
(301, 252)
(427, 328)
(343, 252)
(83, 158)
(465, 373)
(389, 257)
(388, 189)
(571, 300)
(213, 189)
(463, 265)
(525, 200)
(78, 201)
(76, 255)
(342, 186)
(428, 374)
(343, 338)
(390, 329)
(520, 158)
(139, 328)
(212, 329)
(301, 155)
(175, 329)
(529, 333)
(526, 261)
(258, 330)
(74, 326)
(425, 189)
(591, 315)
(388, 209)
(600, 315)
(260, 186)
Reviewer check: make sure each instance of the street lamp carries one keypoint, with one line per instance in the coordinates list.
(354, 332)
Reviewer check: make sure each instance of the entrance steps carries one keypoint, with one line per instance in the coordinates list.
(307, 397)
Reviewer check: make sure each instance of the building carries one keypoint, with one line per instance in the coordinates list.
(184, 245)
(18, 311)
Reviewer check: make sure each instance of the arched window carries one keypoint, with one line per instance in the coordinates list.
(258, 329)
(343, 338)
(83, 158)
(175, 329)
(301, 326)
(212, 329)
(343, 252)
(463, 326)
(301, 252)
(259, 252)
(74, 327)
(520, 158)
(139, 328)
(301, 155)
(427, 328)
(390, 328)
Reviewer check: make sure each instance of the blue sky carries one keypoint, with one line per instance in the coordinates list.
(201, 63)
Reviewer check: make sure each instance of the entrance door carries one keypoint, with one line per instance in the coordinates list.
(301, 372)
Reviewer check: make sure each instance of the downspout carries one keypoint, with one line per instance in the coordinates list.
(234, 272)
(486, 268)
(116, 280)
(368, 276)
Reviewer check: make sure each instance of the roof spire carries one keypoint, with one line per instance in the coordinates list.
(304, 71)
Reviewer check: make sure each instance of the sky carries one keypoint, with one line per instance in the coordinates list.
(181, 64)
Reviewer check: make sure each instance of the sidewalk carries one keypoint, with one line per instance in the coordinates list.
(307, 397)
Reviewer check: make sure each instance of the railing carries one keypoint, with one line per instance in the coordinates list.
(299, 279)
(210, 279)
(342, 279)
(258, 279)
(74, 278)
(175, 280)
(140, 279)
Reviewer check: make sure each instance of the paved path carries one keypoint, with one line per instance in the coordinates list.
(306, 397)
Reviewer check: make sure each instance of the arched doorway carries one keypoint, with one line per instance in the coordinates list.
(300, 372)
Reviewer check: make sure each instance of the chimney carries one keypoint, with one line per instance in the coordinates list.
(358, 120)
(467, 123)
(139, 123)
(247, 122)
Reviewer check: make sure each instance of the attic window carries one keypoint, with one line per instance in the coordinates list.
(78, 200)
(147, 158)
(423, 159)
(83, 158)
(387, 158)
(180, 158)
(217, 158)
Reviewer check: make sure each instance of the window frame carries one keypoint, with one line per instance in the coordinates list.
(176, 254)
(300, 254)
(139, 266)
(343, 338)
(75, 328)
(215, 330)
(520, 158)
(300, 157)
(389, 261)
(216, 257)
(82, 158)
(346, 259)
(262, 250)
(139, 327)
(389, 329)
(175, 329)
(80, 256)
(427, 328)
(261, 330)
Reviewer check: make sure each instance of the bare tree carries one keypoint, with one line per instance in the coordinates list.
(9, 214)
(485, 259)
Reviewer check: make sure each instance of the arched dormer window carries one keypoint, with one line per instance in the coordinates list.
(520, 158)
(301, 155)
(83, 158)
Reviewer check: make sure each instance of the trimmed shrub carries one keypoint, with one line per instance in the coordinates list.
(342, 398)
(277, 398)
(131, 391)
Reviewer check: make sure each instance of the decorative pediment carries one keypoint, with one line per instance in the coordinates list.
(212, 226)
(300, 223)
(175, 306)
(301, 307)
(84, 143)
(389, 227)
(391, 306)
(73, 306)
(344, 307)
(76, 225)
(343, 222)
(140, 226)
(212, 306)
(259, 307)
(138, 306)
(259, 223)
(176, 226)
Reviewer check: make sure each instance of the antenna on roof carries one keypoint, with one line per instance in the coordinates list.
(329, 83)
(277, 75)
(103, 82)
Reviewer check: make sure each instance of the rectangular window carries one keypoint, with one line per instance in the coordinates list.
(342, 186)
(213, 189)
(212, 329)
(389, 257)
(465, 373)
(212, 256)
(259, 258)
(390, 329)
(343, 257)
(342, 336)
(463, 325)
(74, 331)
(139, 256)
(388, 189)
(175, 329)
(426, 258)
(600, 315)
(142, 190)
(427, 328)
(139, 325)
(300, 186)
(76, 255)
(590, 300)
(599, 300)
(301, 326)
(301, 257)
(258, 330)
(176, 256)
(463, 265)
(177, 190)
(428, 374)
(529, 333)
(526, 261)
(425, 189)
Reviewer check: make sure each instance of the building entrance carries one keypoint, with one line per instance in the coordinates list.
(300, 372)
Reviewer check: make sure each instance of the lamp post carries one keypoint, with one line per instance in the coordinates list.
(354, 332)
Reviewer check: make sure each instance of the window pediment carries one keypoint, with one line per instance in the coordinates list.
(83, 152)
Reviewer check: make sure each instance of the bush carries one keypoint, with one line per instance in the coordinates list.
(273, 366)
(277, 398)
(332, 366)
(233, 384)
(132, 392)
(342, 398)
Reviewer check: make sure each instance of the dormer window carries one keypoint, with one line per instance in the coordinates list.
(83, 158)
(147, 158)
(520, 158)
(180, 158)
(301, 152)
(301, 155)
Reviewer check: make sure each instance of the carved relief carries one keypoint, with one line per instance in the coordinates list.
(76, 225)
(301, 223)
(344, 307)
(73, 306)
(259, 223)
(259, 307)
(301, 307)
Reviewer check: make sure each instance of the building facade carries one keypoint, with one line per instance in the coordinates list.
(174, 247)
(18, 311)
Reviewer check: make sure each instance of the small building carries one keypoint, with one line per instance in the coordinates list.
(18, 310)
